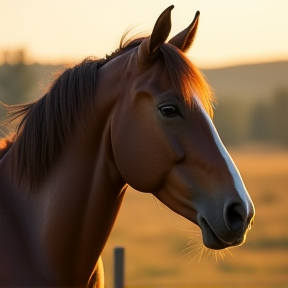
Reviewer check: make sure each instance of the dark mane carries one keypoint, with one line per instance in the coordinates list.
(46, 123)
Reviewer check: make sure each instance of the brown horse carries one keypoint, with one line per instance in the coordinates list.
(142, 116)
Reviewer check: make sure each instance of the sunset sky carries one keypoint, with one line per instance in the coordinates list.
(230, 31)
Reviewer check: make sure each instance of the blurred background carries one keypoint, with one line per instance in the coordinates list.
(242, 49)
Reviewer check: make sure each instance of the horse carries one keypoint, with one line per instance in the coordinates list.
(141, 116)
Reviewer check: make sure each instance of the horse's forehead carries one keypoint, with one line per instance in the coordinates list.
(154, 76)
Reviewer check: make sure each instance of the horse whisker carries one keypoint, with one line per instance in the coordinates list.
(228, 251)
(168, 219)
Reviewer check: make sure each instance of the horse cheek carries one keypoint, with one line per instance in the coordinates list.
(139, 155)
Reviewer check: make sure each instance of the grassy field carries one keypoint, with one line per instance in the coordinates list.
(160, 255)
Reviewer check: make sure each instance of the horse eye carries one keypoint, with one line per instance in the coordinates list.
(169, 111)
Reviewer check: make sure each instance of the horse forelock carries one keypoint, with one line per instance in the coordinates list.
(187, 79)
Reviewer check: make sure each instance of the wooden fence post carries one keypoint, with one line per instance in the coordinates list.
(118, 267)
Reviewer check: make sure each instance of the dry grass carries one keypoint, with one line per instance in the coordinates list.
(160, 255)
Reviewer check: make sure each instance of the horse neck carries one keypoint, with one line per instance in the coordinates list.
(70, 218)
(94, 188)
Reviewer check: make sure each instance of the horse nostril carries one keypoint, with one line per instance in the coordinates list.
(235, 216)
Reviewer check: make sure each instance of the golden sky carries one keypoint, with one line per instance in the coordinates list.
(230, 31)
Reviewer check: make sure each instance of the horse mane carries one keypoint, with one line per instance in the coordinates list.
(5, 144)
(46, 123)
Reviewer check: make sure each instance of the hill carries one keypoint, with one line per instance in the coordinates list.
(251, 82)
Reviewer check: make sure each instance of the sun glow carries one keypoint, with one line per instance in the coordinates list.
(84, 28)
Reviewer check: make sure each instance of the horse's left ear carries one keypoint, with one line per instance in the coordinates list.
(184, 39)
(159, 35)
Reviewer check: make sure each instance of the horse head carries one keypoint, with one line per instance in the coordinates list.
(164, 141)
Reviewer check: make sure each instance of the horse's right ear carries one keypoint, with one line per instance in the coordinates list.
(184, 39)
(159, 35)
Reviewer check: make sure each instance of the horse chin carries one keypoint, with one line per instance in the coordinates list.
(212, 241)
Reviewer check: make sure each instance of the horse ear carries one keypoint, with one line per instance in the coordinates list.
(159, 34)
(184, 39)
(161, 30)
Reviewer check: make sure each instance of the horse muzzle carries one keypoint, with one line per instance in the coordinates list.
(231, 231)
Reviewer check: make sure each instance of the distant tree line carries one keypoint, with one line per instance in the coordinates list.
(262, 121)
(15, 77)
(237, 121)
